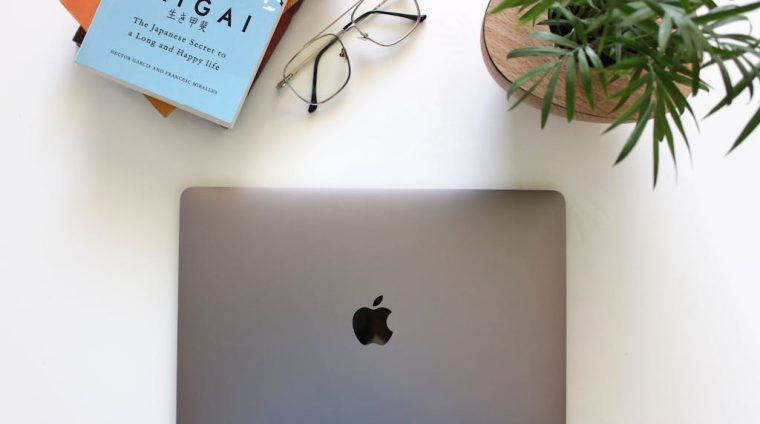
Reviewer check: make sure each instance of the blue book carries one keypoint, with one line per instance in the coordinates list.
(199, 55)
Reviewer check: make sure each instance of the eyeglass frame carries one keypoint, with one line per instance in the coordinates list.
(287, 76)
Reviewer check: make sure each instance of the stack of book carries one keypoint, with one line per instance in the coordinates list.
(202, 56)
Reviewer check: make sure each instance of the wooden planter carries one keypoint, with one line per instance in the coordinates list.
(501, 34)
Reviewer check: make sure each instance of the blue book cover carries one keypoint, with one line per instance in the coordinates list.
(199, 55)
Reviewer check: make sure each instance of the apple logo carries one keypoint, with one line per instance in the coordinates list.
(371, 325)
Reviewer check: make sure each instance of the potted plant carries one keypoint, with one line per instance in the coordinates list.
(620, 61)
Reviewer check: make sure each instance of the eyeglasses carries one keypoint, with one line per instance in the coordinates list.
(321, 69)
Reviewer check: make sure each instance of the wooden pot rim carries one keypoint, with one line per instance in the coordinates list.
(501, 33)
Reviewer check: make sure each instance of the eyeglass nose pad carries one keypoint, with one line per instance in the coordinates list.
(364, 37)
(342, 53)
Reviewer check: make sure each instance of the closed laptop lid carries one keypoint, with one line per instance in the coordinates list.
(333, 306)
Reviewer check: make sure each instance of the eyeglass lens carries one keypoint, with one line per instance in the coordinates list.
(386, 22)
(323, 58)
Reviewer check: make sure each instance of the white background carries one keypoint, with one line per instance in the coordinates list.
(663, 285)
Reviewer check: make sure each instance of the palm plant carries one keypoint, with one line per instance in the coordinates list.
(659, 48)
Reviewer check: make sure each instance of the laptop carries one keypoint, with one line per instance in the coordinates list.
(371, 306)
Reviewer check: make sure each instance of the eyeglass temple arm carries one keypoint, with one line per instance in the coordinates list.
(314, 100)
(313, 106)
(383, 12)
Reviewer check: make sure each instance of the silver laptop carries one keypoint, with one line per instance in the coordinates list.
(333, 306)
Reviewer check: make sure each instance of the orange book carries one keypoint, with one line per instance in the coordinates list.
(84, 10)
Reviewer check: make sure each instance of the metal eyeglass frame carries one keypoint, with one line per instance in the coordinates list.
(336, 37)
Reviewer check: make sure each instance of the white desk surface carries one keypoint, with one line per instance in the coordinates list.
(663, 286)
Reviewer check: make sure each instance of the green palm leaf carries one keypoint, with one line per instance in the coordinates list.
(656, 50)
